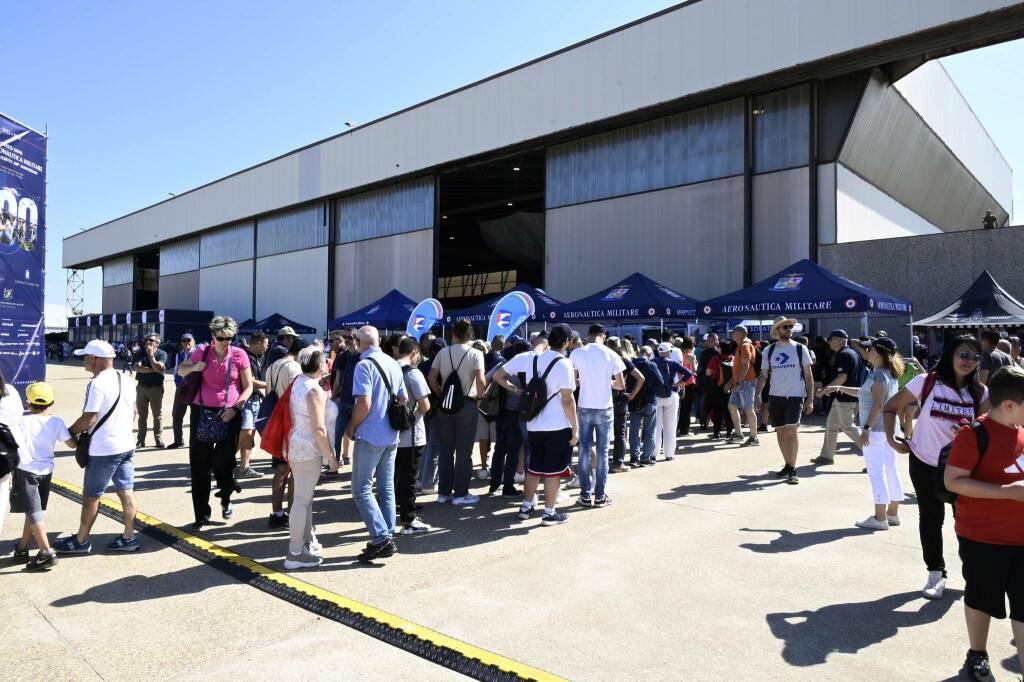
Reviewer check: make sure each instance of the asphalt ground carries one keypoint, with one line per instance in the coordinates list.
(706, 567)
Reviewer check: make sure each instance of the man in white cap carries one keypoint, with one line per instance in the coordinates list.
(107, 416)
(285, 338)
(791, 394)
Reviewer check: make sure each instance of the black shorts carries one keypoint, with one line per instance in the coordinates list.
(993, 574)
(29, 492)
(550, 454)
(784, 411)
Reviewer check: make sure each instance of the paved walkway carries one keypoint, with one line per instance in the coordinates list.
(705, 567)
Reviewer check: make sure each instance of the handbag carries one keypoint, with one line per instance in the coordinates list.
(186, 391)
(211, 428)
(398, 413)
(85, 438)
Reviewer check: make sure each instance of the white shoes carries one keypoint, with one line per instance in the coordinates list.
(464, 500)
(893, 520)
(519, 477)
(415, 527)
(935, 586)
(563, 496)
(574, 482)
(873, 524)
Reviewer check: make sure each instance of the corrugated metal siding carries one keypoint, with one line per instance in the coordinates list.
(865, 212)
(780, 213)
(301, 228)
(227, 245)
(782, 128)
(406, 207)
(694, 146)
(119, 271)
(365, 271)
(295, 285)
(180, 256)
(688, 238)
(117, 299)
(227, 289)
(180, 291)
(692, 49)
(890, 146)
(827, 203)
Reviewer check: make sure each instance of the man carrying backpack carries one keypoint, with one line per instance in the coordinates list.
(643, 411)
(791, 395)
(841, 417)
(550, 412)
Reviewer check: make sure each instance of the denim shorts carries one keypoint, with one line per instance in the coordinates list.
(249, 412)
(101, 471)
(742, 396)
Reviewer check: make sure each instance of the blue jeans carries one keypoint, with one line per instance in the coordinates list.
(378, 512)
(506, 449)
(590, 421)
(101, 471)
(428, 463)
(344, 416)
(642, 421)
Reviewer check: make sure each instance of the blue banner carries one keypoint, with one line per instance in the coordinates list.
(424, 316)
(22, 252)
(512, 310)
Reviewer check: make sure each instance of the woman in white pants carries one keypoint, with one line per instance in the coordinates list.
(881, 385)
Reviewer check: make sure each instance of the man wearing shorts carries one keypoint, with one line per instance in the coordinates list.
(109, 399)
(742, 386)
(257, 352)
(788, 365)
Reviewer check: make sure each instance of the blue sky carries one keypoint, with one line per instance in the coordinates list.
(155, 98)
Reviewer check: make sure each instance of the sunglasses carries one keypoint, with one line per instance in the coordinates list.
(966, 355)
(786, 327)
(224, 338)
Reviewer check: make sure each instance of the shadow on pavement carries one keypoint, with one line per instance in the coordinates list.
(810, 636)
(788, 541)
(747, 482)
(135, 588)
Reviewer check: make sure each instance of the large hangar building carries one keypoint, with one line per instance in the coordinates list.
(707, 146)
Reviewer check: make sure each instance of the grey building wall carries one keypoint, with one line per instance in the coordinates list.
(180, 291)
(781, 211)
(117, 299)
(366, 270)
(227, 289)
(295, 285)
(688, 238)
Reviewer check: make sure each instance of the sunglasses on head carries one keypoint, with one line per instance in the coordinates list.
(967, 355)
(224, 338)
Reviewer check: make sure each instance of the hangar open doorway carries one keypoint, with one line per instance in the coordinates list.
(490, 228)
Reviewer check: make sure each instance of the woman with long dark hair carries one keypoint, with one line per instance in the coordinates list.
(948, 396)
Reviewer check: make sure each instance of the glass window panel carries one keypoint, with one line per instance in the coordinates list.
(119, 271)
(781, 129)
(294, 230)
(406, 207)
(226, 245)
(180, 256)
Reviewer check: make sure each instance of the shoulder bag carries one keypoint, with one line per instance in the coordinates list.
(85, 438)
(398, 414)
(186, 390)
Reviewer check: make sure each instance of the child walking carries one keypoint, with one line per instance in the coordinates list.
(37, 434)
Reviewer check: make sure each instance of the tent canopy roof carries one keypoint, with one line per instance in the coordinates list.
(984, 304)
(390, 311)
(272, 323)
(637, 297)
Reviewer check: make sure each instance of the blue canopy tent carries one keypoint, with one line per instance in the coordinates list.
(636, 297)
(481, 312)
(806, 289)
(390, 311)
(271, 324)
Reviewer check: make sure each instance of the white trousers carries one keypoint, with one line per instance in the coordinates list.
(880, 459)
(665, 424)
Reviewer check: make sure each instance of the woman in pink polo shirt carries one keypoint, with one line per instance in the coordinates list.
(216, 416)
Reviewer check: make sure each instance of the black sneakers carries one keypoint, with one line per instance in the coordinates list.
(791, 477)
(42, 561)
(783, 472)
(277, 520)
(977, 666)
(379, 551)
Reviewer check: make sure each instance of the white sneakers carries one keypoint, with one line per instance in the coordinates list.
(415, 527)
(464, 500)
(935, 586)
(893, 520)
(519, 477)
(873, 524)
(303, 560)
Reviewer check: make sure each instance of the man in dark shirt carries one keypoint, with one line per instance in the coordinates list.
(709, 351)
(620, 405)
(845, 371)
(493, 357)
(257, 352)
(149, 363)
(285, 338)
(992, 357)
(342, 372)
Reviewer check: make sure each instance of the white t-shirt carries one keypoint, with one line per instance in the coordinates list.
(676, 354)
(596, 365)
(36, 436)
(941, 412)
(115, 436)
(416, 388)
(787, 369)
(552, 417)
(11, 408)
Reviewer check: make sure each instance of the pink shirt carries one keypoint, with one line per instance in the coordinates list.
(211, 392)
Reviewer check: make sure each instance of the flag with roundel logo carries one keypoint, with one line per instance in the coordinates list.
(514, 308)
(424, 316)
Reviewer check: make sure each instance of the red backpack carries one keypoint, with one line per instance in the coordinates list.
(274, 439)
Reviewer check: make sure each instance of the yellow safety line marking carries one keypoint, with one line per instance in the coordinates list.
(393, 621)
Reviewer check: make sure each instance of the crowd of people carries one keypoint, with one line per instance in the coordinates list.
(407, 413)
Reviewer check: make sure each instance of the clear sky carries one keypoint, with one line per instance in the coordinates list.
(144, 99)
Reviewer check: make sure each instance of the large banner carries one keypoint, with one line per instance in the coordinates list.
(22, 252)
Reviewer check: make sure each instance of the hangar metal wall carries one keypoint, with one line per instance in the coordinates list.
(117, 299)
(119, 271)
(295, 285)
(180, 291)
(865, 212)
(366, 270)
(780, 220)
(227, 289)
(689, 238)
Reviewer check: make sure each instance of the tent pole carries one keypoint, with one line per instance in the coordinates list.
(864, 324)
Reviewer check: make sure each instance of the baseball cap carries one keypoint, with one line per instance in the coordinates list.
(664, 347)
(39, 393)
(537, 337)
(596, 329)
(883, 343)
(286, 331)
(559, 334)
(187, 337)
(97, 348)
(838, 334)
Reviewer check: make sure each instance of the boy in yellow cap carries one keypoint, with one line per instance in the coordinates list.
(37, 434)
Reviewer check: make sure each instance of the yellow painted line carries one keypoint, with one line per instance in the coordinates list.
(391, 620)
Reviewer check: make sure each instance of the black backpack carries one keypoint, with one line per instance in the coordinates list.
(940, 469)
(399, 416)
(536, 397)
(9, 458)
(452, 396)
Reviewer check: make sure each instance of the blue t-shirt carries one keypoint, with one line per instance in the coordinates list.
(376, 429)
(669, 369)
